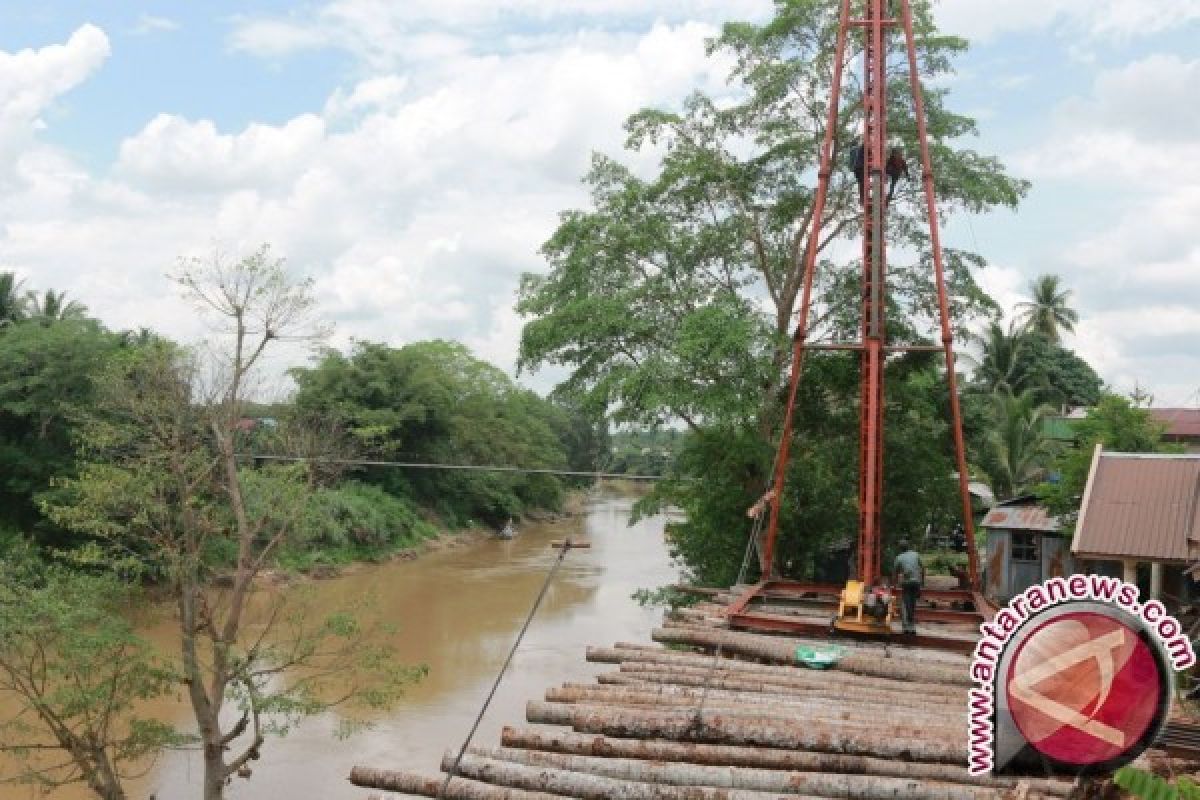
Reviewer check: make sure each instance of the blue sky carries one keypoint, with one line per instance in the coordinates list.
(412, 156)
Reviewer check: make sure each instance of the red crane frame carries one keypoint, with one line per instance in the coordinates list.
(873, 348)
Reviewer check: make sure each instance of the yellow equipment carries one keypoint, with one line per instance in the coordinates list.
(862, 609)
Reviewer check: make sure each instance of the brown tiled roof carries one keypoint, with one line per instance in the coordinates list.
(1141, 506)
(1183, 422)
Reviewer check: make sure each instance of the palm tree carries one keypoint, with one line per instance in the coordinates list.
(1047, 311)
(1019, 448)
(52, 306)
(12, 302)
(1001, 364)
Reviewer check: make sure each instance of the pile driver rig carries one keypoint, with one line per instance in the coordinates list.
(877, 25)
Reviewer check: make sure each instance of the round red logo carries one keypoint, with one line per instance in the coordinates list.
(1084, 688)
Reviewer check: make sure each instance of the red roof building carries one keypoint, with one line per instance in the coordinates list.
(1182, 426)
(1141, 508)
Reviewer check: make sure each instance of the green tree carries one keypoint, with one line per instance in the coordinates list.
(1114, 423)
(1047, 311)
(1002, 363)
(1058, 375)
(52, 306)
(1018, 449)
(673, 297)
(74, 671)
(163, 490)
(47, 376)
(433, 402)
(12, 302)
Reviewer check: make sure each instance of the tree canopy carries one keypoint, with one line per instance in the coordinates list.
(433, 402)
(1116, 424)
(672, 297)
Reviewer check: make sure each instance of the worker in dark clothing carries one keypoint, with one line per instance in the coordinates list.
(909, 576)
(858, 163)
(896, 167)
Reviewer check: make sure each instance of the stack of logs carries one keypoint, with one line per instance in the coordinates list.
(684, 723)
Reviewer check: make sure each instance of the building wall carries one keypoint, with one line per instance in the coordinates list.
(1010, 570)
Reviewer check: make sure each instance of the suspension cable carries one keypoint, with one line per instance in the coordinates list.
(566, 545)
(364, 462)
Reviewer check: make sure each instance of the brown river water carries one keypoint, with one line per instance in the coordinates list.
(458, 610)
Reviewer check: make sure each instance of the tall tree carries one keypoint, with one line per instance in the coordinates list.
(1019, 449)
(47, 376)
(674, 296)
(165, 489)
(52, 306)
(12, 301)
(1002, 363)
(1048, 311)
(435, 402)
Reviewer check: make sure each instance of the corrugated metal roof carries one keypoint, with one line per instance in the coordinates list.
(1180, 422)
(1030, 517)
(1141, 506)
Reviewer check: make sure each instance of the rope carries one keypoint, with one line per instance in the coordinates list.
(500, 675)
(718, 652)
(361, 462)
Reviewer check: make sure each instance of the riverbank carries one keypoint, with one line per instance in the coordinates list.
(324, 563)
(456, 609)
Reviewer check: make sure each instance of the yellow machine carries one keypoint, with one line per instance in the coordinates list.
(864, 609)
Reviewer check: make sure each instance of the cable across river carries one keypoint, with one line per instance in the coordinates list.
(362, 462)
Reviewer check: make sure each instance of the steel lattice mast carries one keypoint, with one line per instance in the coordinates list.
(876, 24)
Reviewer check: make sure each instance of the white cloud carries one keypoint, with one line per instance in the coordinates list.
(174, 153)
(31, 80)
(1134, 140)
(1095, 19)
(385, 34)
(149, 23)
(415, 202)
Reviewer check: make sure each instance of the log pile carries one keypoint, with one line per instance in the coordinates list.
(719, 714)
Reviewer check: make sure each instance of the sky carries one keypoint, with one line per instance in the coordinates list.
(411, 157)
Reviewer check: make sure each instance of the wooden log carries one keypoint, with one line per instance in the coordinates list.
(896, 668)
(822, 784)
(427, 786)
(617, 655)
(716, 728)
(830, 682)
(776, 685)
(620, 655)
(765, 695)
(831, 713)
(796, 676)
(677, 697)
(756, 686)
(877, 647)
(593, 787)
(655, 648)
(873, 648)
(758, 757)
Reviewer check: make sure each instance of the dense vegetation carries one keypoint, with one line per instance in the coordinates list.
(130, 461)
(429, 402)
(432, 402)
(671, 299)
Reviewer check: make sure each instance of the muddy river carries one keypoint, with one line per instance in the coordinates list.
(458, 610)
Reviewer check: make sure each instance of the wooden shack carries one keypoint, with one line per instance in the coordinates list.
(1025, 546)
